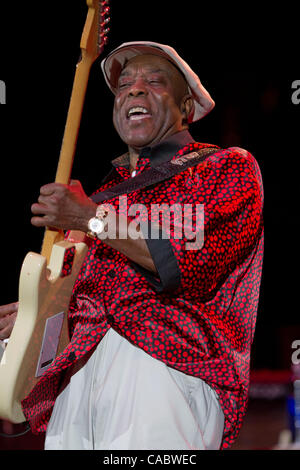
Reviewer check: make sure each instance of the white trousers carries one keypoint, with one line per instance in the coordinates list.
(122, 398)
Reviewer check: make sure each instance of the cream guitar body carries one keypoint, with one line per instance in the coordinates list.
(41, 329)
(47, 279)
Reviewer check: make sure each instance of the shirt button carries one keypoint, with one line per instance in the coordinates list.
(112, 273)
(71, 357)
(110, 319)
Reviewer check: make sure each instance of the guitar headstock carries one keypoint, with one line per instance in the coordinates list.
(94, 36)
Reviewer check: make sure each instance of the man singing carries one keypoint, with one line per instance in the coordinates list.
(160, 331)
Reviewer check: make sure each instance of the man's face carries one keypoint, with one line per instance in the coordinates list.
(148, 101)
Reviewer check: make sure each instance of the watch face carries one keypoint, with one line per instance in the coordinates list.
(96, 225)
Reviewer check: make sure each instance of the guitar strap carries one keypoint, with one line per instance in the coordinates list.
(156, 174)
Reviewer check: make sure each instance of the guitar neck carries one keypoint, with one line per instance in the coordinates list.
(92, 43)
(68, 147)
(69, 142)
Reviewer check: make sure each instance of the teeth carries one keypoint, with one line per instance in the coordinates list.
(137, 109)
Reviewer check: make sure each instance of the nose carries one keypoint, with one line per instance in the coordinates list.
(138, 88)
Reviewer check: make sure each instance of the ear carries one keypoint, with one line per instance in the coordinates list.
(187, 106)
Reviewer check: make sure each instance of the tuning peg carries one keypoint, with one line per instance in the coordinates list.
(105, 11)
(103, 41)
(104, 33)
(104, 22)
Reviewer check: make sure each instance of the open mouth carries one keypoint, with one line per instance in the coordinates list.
(138, 112)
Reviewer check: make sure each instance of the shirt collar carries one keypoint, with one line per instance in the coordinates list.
(159, 153)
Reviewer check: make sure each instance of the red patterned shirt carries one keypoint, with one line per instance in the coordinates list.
(198, 314)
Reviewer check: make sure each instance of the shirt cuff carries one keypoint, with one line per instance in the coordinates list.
(169, 276)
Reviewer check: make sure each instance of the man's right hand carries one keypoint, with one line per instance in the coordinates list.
(8, 315)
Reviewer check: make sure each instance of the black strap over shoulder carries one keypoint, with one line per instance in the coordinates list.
(156, 174)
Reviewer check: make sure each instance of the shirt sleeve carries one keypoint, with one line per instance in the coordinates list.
(224, 215)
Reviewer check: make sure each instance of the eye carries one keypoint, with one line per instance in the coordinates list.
(122, 85)
(154, 80)
(157, 80)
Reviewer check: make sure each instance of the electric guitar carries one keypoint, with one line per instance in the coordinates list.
(46, 281)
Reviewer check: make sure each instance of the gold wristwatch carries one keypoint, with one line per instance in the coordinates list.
(97, 224)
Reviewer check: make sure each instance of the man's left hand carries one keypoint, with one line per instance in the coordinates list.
(62, 206)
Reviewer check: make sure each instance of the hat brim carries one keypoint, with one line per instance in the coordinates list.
(113, 64)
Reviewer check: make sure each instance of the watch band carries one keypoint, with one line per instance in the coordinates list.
(102, 211)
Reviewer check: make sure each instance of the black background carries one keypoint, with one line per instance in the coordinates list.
(246, 57)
